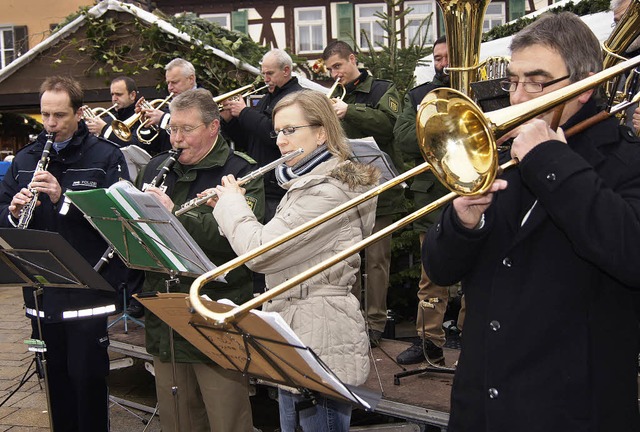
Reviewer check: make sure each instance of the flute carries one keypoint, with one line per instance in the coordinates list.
(196, 202)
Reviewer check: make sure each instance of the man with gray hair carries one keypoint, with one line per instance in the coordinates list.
(209, 397)
(180, 76)
(249, 127)
(551, 334)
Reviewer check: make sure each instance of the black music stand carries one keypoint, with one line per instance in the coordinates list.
(260, 344)
(41, 259)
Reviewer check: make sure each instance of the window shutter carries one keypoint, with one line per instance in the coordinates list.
(345, 22)
(240, 21)
(21, 41)
(516, 9)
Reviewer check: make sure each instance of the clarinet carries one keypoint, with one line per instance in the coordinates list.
(174, 154)
(26, 212)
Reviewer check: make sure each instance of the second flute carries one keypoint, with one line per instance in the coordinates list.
(196, 202)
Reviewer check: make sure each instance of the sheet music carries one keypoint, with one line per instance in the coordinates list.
(280, 325)
(170, 236)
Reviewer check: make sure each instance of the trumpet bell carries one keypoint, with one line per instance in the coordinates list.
(454, 137)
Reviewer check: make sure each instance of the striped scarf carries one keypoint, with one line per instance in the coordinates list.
(306, 165)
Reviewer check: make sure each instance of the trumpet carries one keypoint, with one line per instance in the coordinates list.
(333, 88)
(196, 202)
(97, 112)
(238, 93)
(122, 129)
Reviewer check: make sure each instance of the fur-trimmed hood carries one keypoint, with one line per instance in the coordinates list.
(356, 175)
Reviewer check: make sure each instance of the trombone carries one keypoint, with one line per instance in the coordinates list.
(122, 129)
(97, 112)
(449, 123)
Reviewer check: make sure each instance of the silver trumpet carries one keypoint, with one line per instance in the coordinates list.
(26, 212)
(197, 202)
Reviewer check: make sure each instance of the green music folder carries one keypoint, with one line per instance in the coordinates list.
(144, 233)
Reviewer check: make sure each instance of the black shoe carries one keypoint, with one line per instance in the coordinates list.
(135, 310)
(375, 337)
(415, 353)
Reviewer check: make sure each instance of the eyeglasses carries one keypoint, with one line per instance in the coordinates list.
(529, 86)
(288, 130)
(186, 130)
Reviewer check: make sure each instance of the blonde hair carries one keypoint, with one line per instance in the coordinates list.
(317, 110)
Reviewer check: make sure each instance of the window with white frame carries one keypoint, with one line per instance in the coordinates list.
(311, 32)
(421, 22)
(494, 16)
(222, 19)
(369, 23)
(6, 46)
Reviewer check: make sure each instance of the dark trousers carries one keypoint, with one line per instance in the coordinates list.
(77, 366)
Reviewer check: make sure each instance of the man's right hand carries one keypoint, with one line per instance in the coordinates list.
(470, 209)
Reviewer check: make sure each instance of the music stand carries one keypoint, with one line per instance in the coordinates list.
(145, 235)
(41, 259)
(260, 344)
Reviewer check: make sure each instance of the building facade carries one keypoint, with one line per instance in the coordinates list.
(306, 28)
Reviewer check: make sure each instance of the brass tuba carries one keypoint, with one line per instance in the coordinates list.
(463, 25)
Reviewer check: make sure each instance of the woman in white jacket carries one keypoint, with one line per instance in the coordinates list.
(322, 311)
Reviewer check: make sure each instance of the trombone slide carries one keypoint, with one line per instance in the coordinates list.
(196, 202)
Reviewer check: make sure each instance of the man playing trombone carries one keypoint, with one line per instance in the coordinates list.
(548, 258)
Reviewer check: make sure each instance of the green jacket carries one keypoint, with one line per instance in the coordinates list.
(183, 183)
(425, 187)
(373, 109)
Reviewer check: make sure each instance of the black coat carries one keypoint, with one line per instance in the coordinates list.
(250, 133)
(550, 337)
(86, 163)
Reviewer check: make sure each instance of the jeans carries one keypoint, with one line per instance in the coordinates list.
(328, 415)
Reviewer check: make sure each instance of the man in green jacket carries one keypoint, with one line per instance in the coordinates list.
(432, 299)
(209, 397)
(369, 109)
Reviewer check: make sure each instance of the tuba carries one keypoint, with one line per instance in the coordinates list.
(625, 32)
(463, 26)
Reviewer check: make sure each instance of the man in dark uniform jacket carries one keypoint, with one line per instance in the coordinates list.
(124, 93)
(370, 107)
(249, 128)
(180, 76)
(548, 258)
(211, 397)
(74, 322)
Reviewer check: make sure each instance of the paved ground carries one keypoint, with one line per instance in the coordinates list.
(26, 410)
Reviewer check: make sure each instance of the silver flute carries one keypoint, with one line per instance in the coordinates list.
(197, 202)
(26, 212)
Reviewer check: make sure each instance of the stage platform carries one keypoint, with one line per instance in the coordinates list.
(421, 399)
